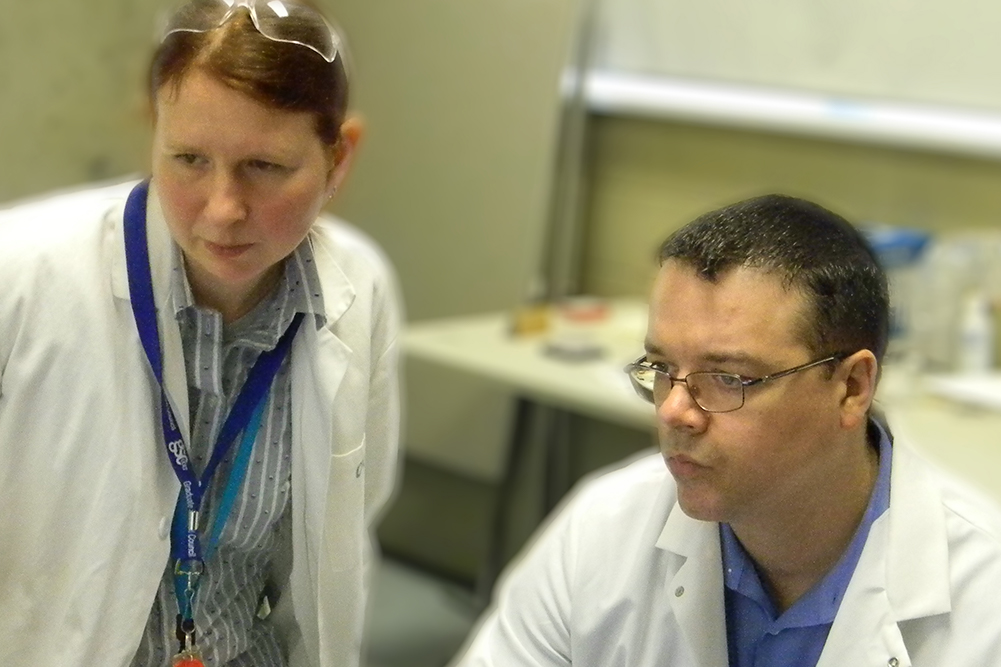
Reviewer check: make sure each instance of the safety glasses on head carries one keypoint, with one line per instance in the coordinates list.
(278, 20)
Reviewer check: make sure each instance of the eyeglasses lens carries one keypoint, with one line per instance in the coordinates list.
(716, 392)
(713, 392)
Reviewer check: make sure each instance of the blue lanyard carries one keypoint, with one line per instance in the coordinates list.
(186, 548)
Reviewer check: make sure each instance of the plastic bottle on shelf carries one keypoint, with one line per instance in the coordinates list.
(976, 335)
(899, 251)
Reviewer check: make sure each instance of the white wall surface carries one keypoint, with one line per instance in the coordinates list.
(934, 51)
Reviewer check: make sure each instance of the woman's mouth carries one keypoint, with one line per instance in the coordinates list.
(227, 251)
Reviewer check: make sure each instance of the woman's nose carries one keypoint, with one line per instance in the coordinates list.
(226, 202)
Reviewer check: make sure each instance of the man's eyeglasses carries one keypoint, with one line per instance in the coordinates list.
(278, 20)
(711, 391)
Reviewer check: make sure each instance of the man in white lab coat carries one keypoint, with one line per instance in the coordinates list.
(787, 528)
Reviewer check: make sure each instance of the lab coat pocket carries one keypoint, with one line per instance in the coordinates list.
(345, 529)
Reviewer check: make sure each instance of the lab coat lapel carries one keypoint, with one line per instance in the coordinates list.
(319, 362)
(902, 574)
(696, 590)
(865, 631)
(918, 544)
(160, 244)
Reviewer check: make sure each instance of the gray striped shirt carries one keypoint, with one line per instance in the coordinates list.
(217, 359)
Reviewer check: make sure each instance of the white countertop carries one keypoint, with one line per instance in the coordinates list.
(483, 345)
(961, 437)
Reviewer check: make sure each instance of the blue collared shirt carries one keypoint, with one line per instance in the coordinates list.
(756, 635)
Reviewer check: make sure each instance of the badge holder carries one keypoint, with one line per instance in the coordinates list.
(188, 659)
(188, 571)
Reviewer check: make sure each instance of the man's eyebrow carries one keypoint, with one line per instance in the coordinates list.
(735, 357)
(652, 348)
(730, 358)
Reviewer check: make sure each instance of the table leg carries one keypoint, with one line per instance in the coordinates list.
(516, 454)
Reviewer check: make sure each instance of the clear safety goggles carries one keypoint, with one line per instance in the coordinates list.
(278, 20)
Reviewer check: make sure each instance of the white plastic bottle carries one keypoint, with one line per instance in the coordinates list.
(976, 335)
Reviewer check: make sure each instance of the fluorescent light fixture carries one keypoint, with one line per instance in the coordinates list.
(798, 112)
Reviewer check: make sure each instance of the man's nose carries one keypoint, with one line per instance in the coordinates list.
(679, 410)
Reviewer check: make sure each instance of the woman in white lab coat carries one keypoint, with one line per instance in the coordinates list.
(250, 141)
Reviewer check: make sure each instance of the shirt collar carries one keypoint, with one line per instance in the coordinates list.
(820, 604)
(303, 280)
(298, 292)
(180, 295)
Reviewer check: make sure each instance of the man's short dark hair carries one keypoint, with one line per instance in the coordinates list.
(810, 249)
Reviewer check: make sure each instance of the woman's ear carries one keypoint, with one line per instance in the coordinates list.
(352, 131)
(859, 374)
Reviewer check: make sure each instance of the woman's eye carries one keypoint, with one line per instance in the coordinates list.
(189, 159)
(266, 167)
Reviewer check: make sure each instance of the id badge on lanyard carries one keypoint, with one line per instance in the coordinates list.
(188, 659)
(186, 541)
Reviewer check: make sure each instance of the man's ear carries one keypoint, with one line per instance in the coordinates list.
(351, 133)
(858, 375)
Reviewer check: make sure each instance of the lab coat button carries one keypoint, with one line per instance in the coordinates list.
(679, 591)
(164, 528)
(892, 662)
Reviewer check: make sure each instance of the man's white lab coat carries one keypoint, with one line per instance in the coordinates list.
(623, 578)
(86, 491)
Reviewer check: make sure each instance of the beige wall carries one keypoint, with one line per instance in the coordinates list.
(462, 104)
(71, 103)
(647, 178)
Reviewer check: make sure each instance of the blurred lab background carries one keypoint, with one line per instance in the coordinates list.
(525, 158)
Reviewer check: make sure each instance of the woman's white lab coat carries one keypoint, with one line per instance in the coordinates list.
(86, 492)
(623, 578)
